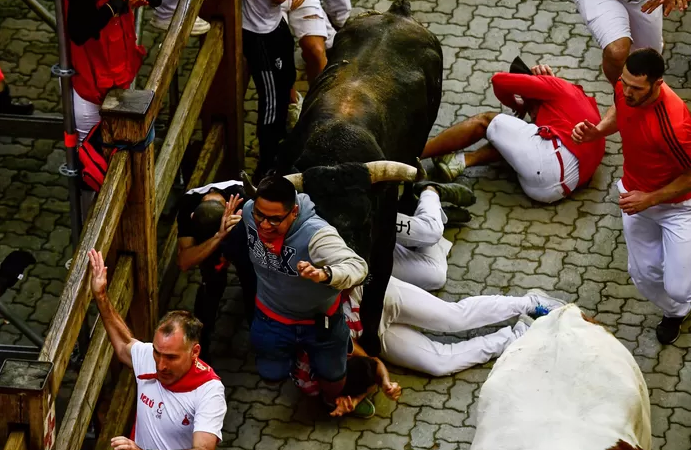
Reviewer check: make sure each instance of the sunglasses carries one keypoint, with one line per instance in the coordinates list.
(274, 221)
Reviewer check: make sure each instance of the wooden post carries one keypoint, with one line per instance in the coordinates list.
(225, 101)
(125, 120)
(26, 401)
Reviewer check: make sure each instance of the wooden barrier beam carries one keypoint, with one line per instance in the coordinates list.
(119, 410)
(16, 441)
(98, 233)
(204, 173)
(227, 95)
(122, 121)
(95, 365)
(185, 119)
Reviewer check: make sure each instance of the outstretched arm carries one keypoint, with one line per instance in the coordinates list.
(120, 336)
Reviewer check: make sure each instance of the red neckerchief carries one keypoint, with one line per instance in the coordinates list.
(274, 246)
(199, 373)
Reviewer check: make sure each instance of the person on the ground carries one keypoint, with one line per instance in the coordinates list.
(365, 375)
(10, 105)
(549, 164)
(421, 248)
(163, 16)
(302, 265)
(207, 219)
(408, 308)
(105, 54)
(620, 26)
(267, 46)
(180, 399)
(655, 190)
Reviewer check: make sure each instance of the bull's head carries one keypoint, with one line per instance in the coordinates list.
(346, 195)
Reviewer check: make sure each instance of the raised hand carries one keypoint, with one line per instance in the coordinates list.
(542, 69)
(231, 216)
(651, 5)
(392, 390)
(99, 273)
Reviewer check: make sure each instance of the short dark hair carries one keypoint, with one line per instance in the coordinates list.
(276, 188)
(207, 219)
(361, 374)
(185, 320)
(646, 61)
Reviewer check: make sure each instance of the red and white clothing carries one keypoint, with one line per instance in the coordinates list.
(562, 105)
(168, 416)
(610, 20)
(407, 307)
(656, 143)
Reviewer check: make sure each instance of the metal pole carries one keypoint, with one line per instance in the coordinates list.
(42, 12)
(138, 24)
(21, 326)
(70, 169)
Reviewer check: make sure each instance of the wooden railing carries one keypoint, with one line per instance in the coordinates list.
(122, 224)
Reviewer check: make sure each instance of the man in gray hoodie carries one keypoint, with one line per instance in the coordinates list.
(302, 265)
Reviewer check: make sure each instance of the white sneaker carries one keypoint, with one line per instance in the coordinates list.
(523, 324)
(449, 167)
(545, 303)
(294, 110)
(200, 27)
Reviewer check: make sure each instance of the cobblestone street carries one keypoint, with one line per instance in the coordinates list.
(574, 250)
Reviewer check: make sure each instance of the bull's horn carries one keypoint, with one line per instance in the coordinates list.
(394, 171)
(250, 190)
(296, 179)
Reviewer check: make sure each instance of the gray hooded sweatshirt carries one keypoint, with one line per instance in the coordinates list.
(310, 238)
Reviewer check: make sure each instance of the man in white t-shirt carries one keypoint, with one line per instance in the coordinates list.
(180, 400)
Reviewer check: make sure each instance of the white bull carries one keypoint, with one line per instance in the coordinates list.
(567, 384)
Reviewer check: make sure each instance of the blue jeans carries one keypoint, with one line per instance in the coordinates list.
(276, 345)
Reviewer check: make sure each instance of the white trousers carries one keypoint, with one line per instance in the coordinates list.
(86, 115)
(408, 306)
(533, 158)
(609, 20)
(420, 254)
(659, 246)
(166, 10)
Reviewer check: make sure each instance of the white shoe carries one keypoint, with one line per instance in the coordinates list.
(523, 324)
(449, 167)
(200, 27)
(294, 110)
(545, 303)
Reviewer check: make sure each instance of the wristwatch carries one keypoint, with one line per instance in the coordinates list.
(329, 275)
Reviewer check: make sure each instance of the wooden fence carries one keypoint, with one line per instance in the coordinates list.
(122, 224)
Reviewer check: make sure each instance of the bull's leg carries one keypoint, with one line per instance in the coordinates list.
(380, 267)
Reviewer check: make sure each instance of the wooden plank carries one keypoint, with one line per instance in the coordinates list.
(119, 411)
(16, 441)
(226, 97)
(76, 296)
(185, 119)
(126, 110)
(211, 151)
(96, 363)
(169, 54)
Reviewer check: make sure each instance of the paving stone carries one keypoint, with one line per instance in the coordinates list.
(293, 444)
(461, 394)
(345, 440)
(264, 413)
(385, 440)
(455, 434)
(659, 420)
(677, 437)
(671, 360)
(269, 443)
(551, 262)
(375, 424)
(249, 434)
(422, 436)
(440, 416)
(427, 398)
(284, 430)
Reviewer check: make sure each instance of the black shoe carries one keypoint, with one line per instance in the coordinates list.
(456, 217)
(9, 105)
(455, 193)
(669, 329)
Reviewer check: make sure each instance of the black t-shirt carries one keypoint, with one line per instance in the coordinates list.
(193, 197)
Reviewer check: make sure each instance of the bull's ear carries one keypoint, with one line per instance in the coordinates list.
(250, 190)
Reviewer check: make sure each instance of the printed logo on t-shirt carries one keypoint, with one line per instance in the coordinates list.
(279, 63)
(159, 411)
(185, 421)
(278, 262)
(400, 226)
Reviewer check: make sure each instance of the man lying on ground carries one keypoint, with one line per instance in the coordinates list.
(548, 162)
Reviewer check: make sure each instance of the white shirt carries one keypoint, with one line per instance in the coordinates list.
(260, 16)
(167, 420)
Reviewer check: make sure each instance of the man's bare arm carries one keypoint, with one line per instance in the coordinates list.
(190, 255)
(119, 334)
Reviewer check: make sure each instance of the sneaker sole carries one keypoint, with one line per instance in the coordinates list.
(541, 293)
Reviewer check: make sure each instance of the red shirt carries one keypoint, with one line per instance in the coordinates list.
(656, 141)
(562, 106)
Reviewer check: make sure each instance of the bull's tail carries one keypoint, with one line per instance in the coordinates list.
(401, 8)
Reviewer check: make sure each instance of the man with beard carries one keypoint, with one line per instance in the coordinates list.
(655, 191)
